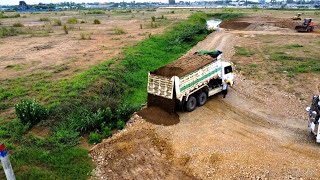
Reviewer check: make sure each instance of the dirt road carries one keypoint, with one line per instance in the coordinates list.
(255, 132)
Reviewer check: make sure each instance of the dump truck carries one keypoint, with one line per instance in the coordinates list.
(306, 26)
(188, 82)
(314, 117)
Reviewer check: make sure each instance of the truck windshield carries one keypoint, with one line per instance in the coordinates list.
(227, 69)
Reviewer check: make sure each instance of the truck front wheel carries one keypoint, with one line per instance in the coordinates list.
(201, 98)
(191, 103)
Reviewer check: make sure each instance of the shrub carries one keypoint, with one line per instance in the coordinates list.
(106, 132)
(96, 12)
(226, 16)
(85, 36)
(64, 137)
(57, 22)
(94, 138)
(29, 111)
(119, 31)
(4, 32)
(140, 26)
(96, 21)
(84, 120)
(82, 22)
(120, 124)
(13, 130)
(18, 24)
(243, 51)
(72, 21)
(153, 19)
(44, 19)
(65, 28)
(293, 46)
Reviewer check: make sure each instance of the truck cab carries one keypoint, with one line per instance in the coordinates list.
(314, 117)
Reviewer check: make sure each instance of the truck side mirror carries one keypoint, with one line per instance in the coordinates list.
(308, 109)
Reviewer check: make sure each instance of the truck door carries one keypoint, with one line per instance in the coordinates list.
(228, 74)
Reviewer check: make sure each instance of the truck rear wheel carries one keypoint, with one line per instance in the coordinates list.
(201, 98)
(191, 103)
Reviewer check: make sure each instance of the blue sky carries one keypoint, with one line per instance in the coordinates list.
(16, 2)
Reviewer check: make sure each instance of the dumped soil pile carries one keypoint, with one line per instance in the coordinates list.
(235, 25)
(137, 153)
(184, 65)
(290, 24)
(266, 27)
(156, 115)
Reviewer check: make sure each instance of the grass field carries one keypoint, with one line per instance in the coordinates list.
(92, 76)
(95, 100)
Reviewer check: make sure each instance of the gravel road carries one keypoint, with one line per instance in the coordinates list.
(256, 132)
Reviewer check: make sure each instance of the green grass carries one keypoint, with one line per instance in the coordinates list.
(2, 15)
(5, 32)
(226, 16)
(17, 24)
(241, 51)
(293, 59)
(253, 66)
(44, 19)
(72, 20)
(96, 100)
(16, 67)
(96, 12)
(118, 31)
(293, 46)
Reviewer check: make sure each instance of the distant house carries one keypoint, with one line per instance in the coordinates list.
(172, 2)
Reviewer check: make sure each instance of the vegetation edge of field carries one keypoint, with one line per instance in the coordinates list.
(96, 100)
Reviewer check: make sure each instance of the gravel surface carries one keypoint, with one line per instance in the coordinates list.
(256, 132)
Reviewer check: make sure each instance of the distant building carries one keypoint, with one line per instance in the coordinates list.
(172, 2)
(23, 6)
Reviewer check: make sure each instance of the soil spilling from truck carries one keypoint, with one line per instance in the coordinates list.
(156, 115)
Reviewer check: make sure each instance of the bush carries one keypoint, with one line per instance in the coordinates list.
(94, 138)
(4, 32)
(106, 132)
(120, 124)
(29, 111)
(18, 24)
(226, 16)
(119, 31)
(13, 130)
(153, 19)
(85, 36)
(64, 137)
(96, 12)
(57, 22)
(72, 21)
(65, 29)
(44, 19)
(96, 21)
(84, 120)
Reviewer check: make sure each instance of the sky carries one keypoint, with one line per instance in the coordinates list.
(16, 2)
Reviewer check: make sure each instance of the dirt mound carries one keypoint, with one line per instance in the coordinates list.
(290, 24)
(184, 65)
(156, 115)
(137, 153)
(266, 27)
(235, 25)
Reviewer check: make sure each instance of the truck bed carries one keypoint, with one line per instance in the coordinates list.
(184, 65)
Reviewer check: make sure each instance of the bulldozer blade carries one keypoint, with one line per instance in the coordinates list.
(300, 28)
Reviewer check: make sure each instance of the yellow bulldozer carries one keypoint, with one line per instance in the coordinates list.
(297, 17)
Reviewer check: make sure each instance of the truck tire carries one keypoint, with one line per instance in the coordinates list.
(202, 98)
(191, 104)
